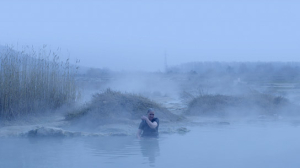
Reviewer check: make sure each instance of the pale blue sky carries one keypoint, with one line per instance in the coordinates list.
(134, 34)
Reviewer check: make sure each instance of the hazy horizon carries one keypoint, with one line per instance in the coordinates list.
(138, 35)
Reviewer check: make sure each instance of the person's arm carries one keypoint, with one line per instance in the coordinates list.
(138, 134)
(151, 124)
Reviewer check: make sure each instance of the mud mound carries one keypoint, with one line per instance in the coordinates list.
(251, 104)
(112, 107)
(52, 132)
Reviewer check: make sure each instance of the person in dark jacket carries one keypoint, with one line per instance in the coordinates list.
(149, 125)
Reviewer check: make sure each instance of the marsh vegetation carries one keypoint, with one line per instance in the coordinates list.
(37, 81)
(34, 82)
(208, 108)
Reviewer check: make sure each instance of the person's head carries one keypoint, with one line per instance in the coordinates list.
(150, 113)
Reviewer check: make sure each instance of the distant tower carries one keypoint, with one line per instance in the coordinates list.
(166, 62)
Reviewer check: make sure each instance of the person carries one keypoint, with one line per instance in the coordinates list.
(149, 125)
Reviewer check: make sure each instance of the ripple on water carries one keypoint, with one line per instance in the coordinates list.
(234, 145)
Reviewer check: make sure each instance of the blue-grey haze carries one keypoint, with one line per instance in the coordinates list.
(137, 35)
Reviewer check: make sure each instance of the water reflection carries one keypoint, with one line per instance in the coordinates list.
(115, 148)
(150, 149)
(111, 146)
(206, 146)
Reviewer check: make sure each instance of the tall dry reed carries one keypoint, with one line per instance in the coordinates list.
(34, 81)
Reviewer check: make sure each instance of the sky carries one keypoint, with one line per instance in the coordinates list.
(140, 34)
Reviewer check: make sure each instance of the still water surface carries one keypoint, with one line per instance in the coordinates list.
(247, 146)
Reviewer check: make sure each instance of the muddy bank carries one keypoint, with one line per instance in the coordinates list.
(252, 104)
(116, 129)
(111, 107)
(172, 114)
(108, 114)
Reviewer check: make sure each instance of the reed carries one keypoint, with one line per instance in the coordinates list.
(34, 81)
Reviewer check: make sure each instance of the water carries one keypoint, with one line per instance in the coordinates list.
(248, 146)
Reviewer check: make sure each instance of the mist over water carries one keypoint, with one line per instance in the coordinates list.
(222, 76)
(237, 120)
(271, 144)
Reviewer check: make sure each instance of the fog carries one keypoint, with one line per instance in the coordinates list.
(135, 35)
(258, 133)
(222, 76)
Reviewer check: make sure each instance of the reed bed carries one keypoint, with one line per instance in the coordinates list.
(34, 81)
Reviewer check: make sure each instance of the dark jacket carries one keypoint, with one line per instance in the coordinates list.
(147, 131)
